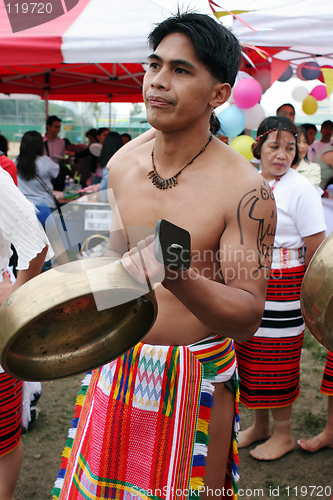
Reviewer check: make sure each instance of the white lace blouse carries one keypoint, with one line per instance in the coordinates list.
(19, 226)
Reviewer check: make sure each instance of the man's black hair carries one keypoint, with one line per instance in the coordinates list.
(215, 46)
(128, 136)
(309, 126)
(3, 144)
(283, 105)
(101, 130)
(327, 122)
(51, 119)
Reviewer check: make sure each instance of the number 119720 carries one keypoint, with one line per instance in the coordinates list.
(29, 8)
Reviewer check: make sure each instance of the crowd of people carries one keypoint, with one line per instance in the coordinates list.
(221, 318)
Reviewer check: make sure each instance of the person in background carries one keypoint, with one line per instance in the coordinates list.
(35, 174)
(97, 170)
(18, 226)
(84, 162)
(102, 132)
(214, 124)
(286, 110)
(4, 146)
(223, 138)
(325, 438)
(112, 142)
(5, 162)
(91, 135)
(269, 362)
(311, 171)
(311, 132)
(55, 148)
(126, 138)
(325, 160)
(318, 146)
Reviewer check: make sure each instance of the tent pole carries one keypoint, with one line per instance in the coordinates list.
(47, 104)
(110, 97)
(47, 87)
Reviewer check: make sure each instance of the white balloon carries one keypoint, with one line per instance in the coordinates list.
(254, 116)
(300, 93)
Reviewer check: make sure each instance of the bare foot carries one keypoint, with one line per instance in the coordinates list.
(273, 449)
(322, 440)
(252, 435)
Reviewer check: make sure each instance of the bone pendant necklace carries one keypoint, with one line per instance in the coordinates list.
(172, 181)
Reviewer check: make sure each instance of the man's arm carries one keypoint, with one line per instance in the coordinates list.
(233, 309)
(312, 243)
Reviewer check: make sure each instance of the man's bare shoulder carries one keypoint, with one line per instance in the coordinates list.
(235, 172)
(129, 161)
(233, 163)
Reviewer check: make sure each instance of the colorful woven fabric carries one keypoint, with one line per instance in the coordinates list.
(219, 351)
(327, 382)
(149, 433)
(11, 412)
(269, 363)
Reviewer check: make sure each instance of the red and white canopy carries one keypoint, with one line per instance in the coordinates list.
(93, 52)
(94, 49)
(280, 33)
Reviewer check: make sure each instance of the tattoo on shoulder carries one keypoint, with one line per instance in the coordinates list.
(264, 223)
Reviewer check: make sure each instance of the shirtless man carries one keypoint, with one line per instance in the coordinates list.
(225, 205)
(212, 200)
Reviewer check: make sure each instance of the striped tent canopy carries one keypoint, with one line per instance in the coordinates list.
(280, 34)
(96, 49)
(81, 50)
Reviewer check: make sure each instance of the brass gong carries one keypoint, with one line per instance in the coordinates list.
(317, 294)
(72, 319)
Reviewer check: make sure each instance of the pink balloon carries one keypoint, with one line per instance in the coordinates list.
(247, 93)
(319, 92)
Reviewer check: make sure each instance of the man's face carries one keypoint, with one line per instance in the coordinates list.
(311, 135)
(53, 130)
(288, 112)
(326, 132)
(177, 87)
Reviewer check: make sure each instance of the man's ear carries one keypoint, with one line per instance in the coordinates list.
(222, 92)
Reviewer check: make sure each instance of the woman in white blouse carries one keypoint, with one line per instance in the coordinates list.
(19, 226)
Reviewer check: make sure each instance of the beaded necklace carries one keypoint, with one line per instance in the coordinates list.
(161, 183)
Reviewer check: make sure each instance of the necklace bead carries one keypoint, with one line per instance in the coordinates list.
(161, 183)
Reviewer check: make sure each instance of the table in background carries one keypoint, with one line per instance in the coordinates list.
(85, 217)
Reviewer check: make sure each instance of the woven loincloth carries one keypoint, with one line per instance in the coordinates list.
(143, 429)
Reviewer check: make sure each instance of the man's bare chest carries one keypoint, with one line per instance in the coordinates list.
(201, 212)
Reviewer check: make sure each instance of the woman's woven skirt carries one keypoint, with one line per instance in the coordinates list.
(269, 363)
(10, 413)
(327, 382)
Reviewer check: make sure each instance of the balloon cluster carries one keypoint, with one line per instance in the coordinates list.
(246, 112)
(310, 71)
(308, 99)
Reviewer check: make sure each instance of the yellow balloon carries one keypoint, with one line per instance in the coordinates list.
(243, 145)
(310, 105)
